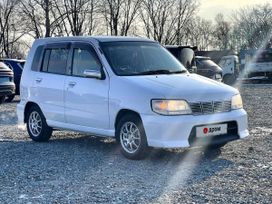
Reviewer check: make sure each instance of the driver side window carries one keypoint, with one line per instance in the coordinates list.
(84, 59)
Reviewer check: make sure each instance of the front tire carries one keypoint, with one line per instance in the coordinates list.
(2, 99)
(37, 127)
(132, 137)
(229, 79)
(10, 98)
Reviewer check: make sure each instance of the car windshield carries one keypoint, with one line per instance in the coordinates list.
(140, 58)
(206, 62)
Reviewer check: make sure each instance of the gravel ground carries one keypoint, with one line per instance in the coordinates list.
(77, 168)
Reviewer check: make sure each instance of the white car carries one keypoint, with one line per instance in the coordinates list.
(132, 89)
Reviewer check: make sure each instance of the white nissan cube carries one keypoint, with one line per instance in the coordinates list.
(128, 88)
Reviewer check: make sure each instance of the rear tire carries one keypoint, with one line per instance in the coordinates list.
(37, 127)
(10, 98)
(130, 132)
(2, 99)
(229, 79)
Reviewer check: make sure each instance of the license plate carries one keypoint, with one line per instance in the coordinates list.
(211, 130)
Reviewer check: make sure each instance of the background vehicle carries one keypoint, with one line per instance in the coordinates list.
(230, 67)
(186, 55)
(206, 67)
(227, 60)
(256, 63)
(7, 86)
(17, 67)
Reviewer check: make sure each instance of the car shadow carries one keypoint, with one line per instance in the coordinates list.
(81, 162)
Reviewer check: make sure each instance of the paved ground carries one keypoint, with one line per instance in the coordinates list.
(76, 168)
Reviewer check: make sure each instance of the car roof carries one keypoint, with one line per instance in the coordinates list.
(121, 38)
(97, 38)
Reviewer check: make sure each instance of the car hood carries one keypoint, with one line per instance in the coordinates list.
(190, 87)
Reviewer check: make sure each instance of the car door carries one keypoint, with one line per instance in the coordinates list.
(86, 99)
(49, 81)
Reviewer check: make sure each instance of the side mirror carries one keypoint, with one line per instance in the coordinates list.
(92, 74)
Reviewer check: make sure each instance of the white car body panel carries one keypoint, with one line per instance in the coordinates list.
(86, 102)
(94, 111)
(46, 85)
(255, 67)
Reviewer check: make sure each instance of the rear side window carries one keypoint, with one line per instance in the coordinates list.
(55, 60)
(36, 59)
(45, 60)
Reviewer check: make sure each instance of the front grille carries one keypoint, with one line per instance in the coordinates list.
(200, 108)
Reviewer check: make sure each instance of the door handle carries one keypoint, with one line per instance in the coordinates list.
(72, 84)
(38, 80)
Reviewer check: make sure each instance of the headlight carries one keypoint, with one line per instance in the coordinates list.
(170, 107)
(236, 102)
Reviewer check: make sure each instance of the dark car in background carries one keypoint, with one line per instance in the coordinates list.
(17, 66)
(201, 66)
(208, 68)
(7, 86)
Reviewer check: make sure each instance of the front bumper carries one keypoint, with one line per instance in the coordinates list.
(7, 89)
(178, 131)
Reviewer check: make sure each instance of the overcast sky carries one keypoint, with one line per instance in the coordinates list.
(209, 8)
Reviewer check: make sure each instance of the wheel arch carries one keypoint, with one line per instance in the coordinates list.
(124, 112)
(27, 108)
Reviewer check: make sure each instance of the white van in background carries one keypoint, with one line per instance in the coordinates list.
(230, 67)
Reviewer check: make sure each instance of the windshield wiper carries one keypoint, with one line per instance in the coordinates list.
(179, 72)
(162, 71)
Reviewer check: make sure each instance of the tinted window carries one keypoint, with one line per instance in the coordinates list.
(55, 61)
(45, 60)
(206, 63)
(84, 59)
(58, 61)
(137, 58)
(36, 59)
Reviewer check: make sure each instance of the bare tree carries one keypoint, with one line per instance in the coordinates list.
(10, 31)
(200, 32)
(185, 13)
(165, 20)
(222, 31)
(253, 26)
(76, 16)
(130, 10)
(40, 17)
(119, 15)
(111, 10)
